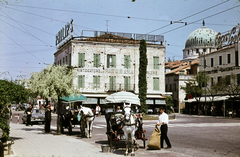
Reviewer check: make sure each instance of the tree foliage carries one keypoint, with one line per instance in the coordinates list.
(169, 104)
(9, 91)
(53, 82)
(142, 77)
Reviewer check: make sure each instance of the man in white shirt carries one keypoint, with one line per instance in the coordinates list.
(163, 122)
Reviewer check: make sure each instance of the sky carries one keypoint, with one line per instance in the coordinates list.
(28, 28)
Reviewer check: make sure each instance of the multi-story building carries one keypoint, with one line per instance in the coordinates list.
(108, 63)
(221, 63)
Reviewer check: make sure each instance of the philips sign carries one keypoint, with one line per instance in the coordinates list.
(64, 33)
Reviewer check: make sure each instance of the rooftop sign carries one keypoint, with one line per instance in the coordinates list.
(228, 39)
(64, 34)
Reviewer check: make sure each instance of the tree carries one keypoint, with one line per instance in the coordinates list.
(55, 82)
(195, 86)
(231, 87)
(142, 77)
(9, 91)
(169, 104)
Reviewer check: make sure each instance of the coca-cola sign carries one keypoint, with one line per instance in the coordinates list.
(228, 38)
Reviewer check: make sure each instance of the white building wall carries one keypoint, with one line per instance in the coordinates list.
(118, 49)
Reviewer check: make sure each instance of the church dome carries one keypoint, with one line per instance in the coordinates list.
(202, 37)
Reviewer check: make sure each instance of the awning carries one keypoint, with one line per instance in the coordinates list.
(208, 99)
(123, 97)
(74, 98)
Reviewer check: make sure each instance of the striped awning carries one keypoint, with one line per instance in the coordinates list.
(123, 97)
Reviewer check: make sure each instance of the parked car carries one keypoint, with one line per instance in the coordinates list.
(38, 115)
(150, 111)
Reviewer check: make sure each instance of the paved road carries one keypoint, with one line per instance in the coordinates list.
(189, 135)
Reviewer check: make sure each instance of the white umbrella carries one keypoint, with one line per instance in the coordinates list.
(123, 97)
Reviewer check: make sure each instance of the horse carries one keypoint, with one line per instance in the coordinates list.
(129, 128)
(87, 118)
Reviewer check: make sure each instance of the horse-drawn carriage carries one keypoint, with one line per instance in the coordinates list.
(126, 125)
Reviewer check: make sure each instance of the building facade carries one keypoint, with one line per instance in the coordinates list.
(108, 63)
(221, 64)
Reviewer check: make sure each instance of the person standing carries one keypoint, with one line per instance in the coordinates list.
(163, 122)
(98, 109)
(48, 119)
(29, 115)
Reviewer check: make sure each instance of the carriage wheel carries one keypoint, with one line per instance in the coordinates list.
(70, 128)
(144, 141)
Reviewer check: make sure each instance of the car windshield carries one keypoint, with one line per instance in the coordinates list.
(37, 111)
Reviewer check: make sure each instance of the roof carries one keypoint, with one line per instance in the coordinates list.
(179, 66)
(201, 37)
(114, 39)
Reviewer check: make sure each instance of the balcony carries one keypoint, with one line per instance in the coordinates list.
(119, 87)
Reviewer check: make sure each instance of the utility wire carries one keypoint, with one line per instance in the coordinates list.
(191, 15)
(120, 16)
(203, 18)
(22, 47)
(26, 31)
(31, 26)
(45, 17)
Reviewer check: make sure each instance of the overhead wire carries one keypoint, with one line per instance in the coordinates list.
(22, 47)
(203, 18)
(189, 16)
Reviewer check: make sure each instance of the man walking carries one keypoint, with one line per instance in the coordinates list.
(29, 115)
(48, 119)
(163, 122)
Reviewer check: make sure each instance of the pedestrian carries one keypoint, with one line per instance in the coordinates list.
(48, 119)
(29, 115)
(98, 109)
(163, 122)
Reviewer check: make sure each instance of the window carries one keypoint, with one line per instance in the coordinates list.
(112, 82)
(127, 61)
(81, 81)
(227, 79)
(155, 62)
(96, 60)
(81, 59)
(70, 59)
(166, 88)
(219, 78)
(155, 83)
(66, 60)
(175, 87)
(238, 78)
(212, 81)
(111, 61)
(127, 83)
(228, 58)
(170, 88)
(96, 81)
(212, 63)
(220, 60)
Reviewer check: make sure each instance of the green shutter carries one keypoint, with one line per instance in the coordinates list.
(108, 57)
(81, 81)
(155, 62)
(98, 60)
(114, 61)
(126, 83)
(155, 83)
(96, 81)
(94, 60)
(81, 59)
(127, 61)
(112, 82)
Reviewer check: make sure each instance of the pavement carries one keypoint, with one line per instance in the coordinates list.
(32, 141)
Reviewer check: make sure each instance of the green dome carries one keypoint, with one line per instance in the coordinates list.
(202, 37)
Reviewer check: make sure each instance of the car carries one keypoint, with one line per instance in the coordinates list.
(150, 111)
(38, 115)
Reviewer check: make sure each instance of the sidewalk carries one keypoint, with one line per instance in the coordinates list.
(31, 141)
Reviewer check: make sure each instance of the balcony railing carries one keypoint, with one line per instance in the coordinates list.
(119, 87)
